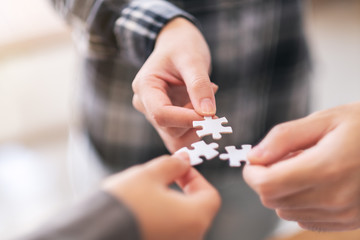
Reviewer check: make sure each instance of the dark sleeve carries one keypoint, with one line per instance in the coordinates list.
(99, 217)
(132, 25)
(139, 24)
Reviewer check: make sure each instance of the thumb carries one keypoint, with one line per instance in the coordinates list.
(167, 169)
(200, 88)
(289, 137)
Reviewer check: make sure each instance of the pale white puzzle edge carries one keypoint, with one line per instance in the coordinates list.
(211, 126)
(200, 149)
(236, 156)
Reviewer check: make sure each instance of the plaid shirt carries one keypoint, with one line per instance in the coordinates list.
(259, 60)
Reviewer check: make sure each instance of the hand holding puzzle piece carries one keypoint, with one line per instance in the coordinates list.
(215, 128)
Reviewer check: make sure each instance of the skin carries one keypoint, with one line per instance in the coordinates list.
(173, 89)
(308, 170)
(165, 213)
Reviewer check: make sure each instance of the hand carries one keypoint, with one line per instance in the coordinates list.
(173, 88)
(309, 170)
(164, 213)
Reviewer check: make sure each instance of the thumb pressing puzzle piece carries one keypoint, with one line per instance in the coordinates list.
(200, 149)
(236, 156)
(212, 127)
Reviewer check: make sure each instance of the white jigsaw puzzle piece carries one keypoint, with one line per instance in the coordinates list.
(200, 149)
(236, 156)
(212, 127)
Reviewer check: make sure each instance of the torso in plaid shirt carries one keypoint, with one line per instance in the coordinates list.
(259, 60)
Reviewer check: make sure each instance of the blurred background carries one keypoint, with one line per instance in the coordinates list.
(38, 75)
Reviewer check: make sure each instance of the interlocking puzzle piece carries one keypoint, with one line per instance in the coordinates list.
(200, 149)
(236, 156)
(212, 127)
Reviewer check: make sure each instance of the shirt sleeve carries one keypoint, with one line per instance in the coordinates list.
(129, 27)
(140, 22)
(99, 217)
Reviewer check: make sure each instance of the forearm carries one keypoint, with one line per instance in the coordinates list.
(98, 217)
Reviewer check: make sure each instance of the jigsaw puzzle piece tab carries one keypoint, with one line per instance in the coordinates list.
(200, 149)
(236, 156)
(212, 127)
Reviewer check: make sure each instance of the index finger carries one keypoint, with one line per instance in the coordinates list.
(195, 75)
(162, 112)
(286, 177)
(290, 137)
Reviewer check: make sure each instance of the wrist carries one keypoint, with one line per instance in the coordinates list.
(183, 42)
(177, 29)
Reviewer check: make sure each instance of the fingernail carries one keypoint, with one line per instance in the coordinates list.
(207, 106)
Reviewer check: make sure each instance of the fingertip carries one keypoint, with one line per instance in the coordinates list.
(207, 107)
(168, 168)
(253, 174)
(259, 155)
(255, 154)
(183, 156)
(201, 92)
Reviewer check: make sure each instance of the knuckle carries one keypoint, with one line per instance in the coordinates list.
(281, 130)
(335, 173)
(135, 103)
(269, 203)
(146, 79)
(263, 187)
(200, 82)
(134, 100)
(135, 84)
(158, 118)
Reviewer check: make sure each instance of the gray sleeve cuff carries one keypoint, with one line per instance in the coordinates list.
(99, 217)
(140, 23)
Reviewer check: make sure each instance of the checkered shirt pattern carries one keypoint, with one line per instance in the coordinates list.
(259, 56)
(259, 60)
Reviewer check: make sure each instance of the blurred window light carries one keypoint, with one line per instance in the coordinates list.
(23, 21)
